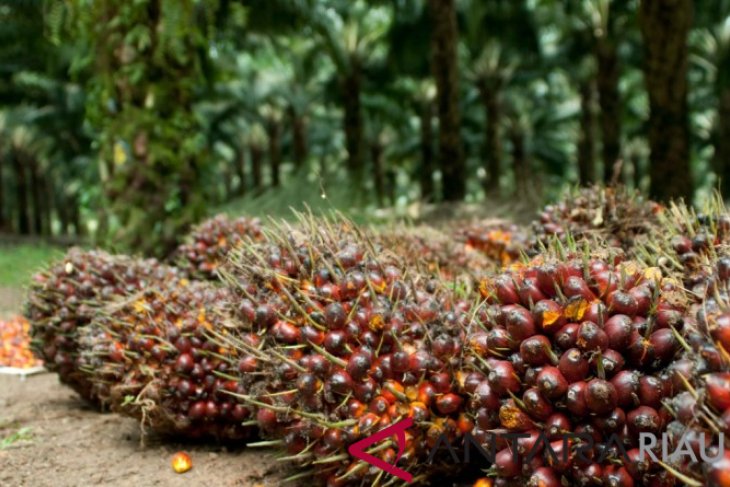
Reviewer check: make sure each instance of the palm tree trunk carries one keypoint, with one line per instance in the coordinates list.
(35, 194)
(722, 143)
(425, 174)
(257, 155)
(63, 213)
(241, 171)
(609, 100)
(353, 124)
(299, 137)
(376, 154)
(519, 157)
(664, 27)
(274, 132)
(21, 193)
(492, 142)
(47, 206)
(587, 142)
(444, 64)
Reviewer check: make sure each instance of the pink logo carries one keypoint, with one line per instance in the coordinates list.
(398, 429)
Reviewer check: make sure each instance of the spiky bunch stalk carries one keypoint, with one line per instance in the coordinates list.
(352, 341)
(66, 297)
(208, 244)
(573, 344)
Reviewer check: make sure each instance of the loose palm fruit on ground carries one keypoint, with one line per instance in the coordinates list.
(15, 344)
(574, 345)
(353, 341)
(616, 215)
(152, 357)
(208, 244)
(67, 296)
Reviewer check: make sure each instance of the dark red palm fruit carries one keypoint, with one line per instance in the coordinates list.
(640, 325)
(634, 464)
(472, 381)
(505, 290)
(528, 444)
(551, 383)
(518, 363)
(596, 312)
(499, 342)
(618, 328)
(590, 476)
(520, 324)
(684, 405)
(286, 333)
(603, 283)
(665, 344)
(503, 379)
(449, 403)
(576, 286)
(529, 292)
(611, 361)
(615, 476)
(718, 390)
(643, 296)
(591, 338)
(613, 422)
(549, 278)
(621, 302)
(627, 383)
(667, 316)
(513, 418)
(601, 396)
(335, 342)
(507, 463)
(681, 244)
(536, 405)
(537, 350)
(573, 366)
(718, 473)
(548, 315)
(563, 458)
(567, 336)
(643, 419)
(184, 363)
(335, 316)
(712, 359)
(486, 397)
(544, 477)
(640, 352)
(725, 421)
(651, 391)
(557, 425)
(575, 399)
(720, 329)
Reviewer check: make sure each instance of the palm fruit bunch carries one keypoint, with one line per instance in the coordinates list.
(432, 252)
(695, 246)
(351, 342)
(15, 344)
(151, 356)
(581, 345)
(614, 215)
(208, 244)
(66, 298)
(502, 242)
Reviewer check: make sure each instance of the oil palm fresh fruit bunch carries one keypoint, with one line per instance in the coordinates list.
(66, 298)
(615, 215)
(209, 243)
(502, 242)
(151, 357)
(15, 344)
(578, 345)
(432, 252)
(352, 341)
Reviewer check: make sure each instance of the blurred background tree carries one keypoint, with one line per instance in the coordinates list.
(125, 122)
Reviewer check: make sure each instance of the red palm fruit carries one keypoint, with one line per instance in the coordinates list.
(499, 342)
(513, 418)
(576, 286)
(548, 315)
(526, 445)
(591, 475)
(615, 476)
(601, 396)
(557, 425)
(591, 338)
(604, 283)
(685, 406)
(651, 391)
(634, 464)
(562, 458)
(627, 383)
(549, 277)
(611, 361)
(520, 324)
(641, 351)
(551, 383)
(718, 390)
(611, 423)
(505, 290)
(573, 366)
(721, 329)
(718, 473)
(622, 302)
(575, 399)
(503, 379)
(567, 336)
(530, 292)
(485, 396)
(507, 463)
(544, 477)
(643, 419)
(596, 312)
(536, 405)
(665, 344)
(448, 403)
(643, 296)
(335, 316)
(618, 328)
(537, 350)
(667, 317)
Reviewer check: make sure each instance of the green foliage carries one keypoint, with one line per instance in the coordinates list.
(19, 262)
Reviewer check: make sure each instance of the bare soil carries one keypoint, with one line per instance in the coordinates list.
(70, 444)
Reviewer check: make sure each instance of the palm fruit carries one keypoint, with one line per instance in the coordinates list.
(432, 252)
(15, 344)
(502, 242)
(352, 342)
(152, 357)
(66, 297)
(580, 345)
(615, 215)
(209, 243)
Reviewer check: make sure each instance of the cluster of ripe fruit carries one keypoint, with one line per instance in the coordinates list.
(318, 335)
(15, 349)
